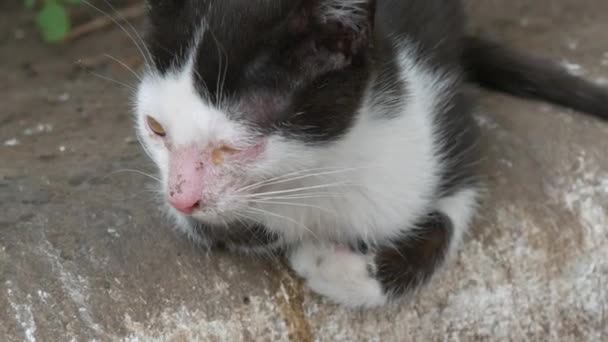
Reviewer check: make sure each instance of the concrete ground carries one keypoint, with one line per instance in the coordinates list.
(84, 254)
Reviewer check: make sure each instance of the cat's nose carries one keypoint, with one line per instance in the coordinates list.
(186, 179)
(185, 193)
(184, 205)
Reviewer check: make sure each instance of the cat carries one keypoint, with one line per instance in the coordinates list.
(337, 133)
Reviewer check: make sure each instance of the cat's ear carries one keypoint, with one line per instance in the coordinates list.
(342, 26)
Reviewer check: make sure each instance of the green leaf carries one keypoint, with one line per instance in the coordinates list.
(30, 4)
(72, 2)
(53, 21)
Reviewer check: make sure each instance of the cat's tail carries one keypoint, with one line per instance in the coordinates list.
(499, 68)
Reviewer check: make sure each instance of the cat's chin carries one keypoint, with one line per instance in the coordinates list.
(204, 217)
(214, 218)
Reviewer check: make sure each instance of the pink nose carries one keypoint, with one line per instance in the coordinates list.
(186, 179)
(183, 205)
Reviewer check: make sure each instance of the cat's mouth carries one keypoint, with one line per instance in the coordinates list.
(211, 216)
(217, 209)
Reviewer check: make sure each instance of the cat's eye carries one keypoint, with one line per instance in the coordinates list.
(228, 149)
(155, 126)
(218, 154)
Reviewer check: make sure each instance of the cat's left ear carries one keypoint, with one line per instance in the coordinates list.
(344, 26)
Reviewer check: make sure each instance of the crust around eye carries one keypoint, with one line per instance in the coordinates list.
(228, 149)
(218, 154)
(155, 126)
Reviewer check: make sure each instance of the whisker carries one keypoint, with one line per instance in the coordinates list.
(294, 205)
(223, 85)
(296, 195)
(138, 172)
(120, 26)
(304, 177)
(224, 222)
(109, 79)
(219, 56)
(143, 146)
(222, 70)
(122, 17)
(337, 184)
(295, 173)
(265, 212)
(201, 80)
(146, 150)
(265, 252)
(247, 225)
(123, 64)
(247, 187)
(312, 195)
(245, 216)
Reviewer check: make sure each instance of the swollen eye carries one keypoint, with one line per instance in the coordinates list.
(218, 154)
(155, 126)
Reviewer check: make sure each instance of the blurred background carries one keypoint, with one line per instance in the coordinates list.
(86, 255)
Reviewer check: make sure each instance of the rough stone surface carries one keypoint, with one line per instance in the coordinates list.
(85, 255)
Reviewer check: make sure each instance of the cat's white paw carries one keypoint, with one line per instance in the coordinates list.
(344, 276)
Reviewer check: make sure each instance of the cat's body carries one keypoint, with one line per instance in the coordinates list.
(335, 131)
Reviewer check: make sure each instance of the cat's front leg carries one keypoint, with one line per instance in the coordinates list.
(344, 275)
(372, 276)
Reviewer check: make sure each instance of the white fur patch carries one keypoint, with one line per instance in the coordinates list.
(460, 208)
(338, 274)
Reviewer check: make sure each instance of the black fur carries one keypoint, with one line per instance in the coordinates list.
(410, 262)
(496, 67)
(284, 70)
(460, 146)
(170, 32)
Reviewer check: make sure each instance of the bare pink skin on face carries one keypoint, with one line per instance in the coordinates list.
(186, 178)
(193, 171)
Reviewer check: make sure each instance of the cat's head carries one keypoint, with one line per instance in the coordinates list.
(238, 92)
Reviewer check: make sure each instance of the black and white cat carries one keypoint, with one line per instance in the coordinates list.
(336, 132)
